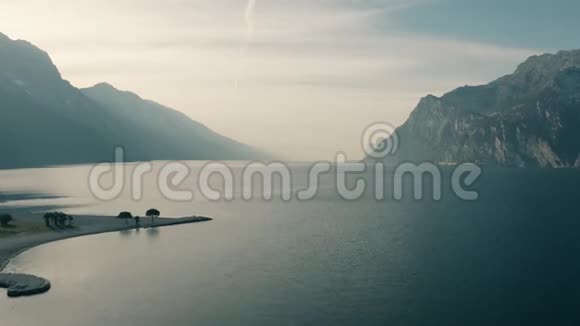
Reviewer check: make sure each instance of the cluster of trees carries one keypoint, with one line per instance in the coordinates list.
(5, 220)
(58, 219)
(152, 213)
(125, 215)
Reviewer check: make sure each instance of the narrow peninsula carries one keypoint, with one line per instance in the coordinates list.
(30, 231)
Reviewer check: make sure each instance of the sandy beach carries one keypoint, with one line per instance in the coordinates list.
(36, 233)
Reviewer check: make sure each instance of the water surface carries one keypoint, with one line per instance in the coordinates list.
(510, 258)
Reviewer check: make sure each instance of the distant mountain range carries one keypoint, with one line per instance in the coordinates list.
(530, 118)
(44, 120)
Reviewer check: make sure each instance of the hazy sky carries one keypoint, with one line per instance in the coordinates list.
(299, 77)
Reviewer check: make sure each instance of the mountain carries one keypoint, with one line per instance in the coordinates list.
(46, 121)
(530, 118)
(164, 132)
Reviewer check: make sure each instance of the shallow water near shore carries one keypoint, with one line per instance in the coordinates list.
(509, 258)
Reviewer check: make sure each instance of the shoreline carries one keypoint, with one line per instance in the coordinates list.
(13, 246)
(7, 255)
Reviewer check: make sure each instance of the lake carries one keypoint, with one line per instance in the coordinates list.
(509, 258)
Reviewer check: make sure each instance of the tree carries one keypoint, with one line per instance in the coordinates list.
(153, 213)
(47, 217)
(5, 219)
(125, 215)
(54, 218)
(61, 218)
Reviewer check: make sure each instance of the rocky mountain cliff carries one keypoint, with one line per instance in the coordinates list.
(44, 120)
(530, 118)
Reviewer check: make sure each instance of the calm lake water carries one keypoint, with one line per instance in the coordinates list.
(509, 258)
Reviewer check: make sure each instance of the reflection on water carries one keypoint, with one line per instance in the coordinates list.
(153, 232)
(508, 259)
(127, 233)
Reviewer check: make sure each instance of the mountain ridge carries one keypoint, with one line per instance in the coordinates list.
(528, 118)
(47, 121)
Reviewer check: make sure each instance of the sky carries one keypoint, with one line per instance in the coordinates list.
(300, 78)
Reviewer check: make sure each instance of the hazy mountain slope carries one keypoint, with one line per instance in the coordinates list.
(530, 118)
(44, 120)
(32, 135)
(166, 132)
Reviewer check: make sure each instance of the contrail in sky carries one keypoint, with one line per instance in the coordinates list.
(249, 14)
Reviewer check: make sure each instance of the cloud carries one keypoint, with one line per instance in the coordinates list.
(316, 43)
